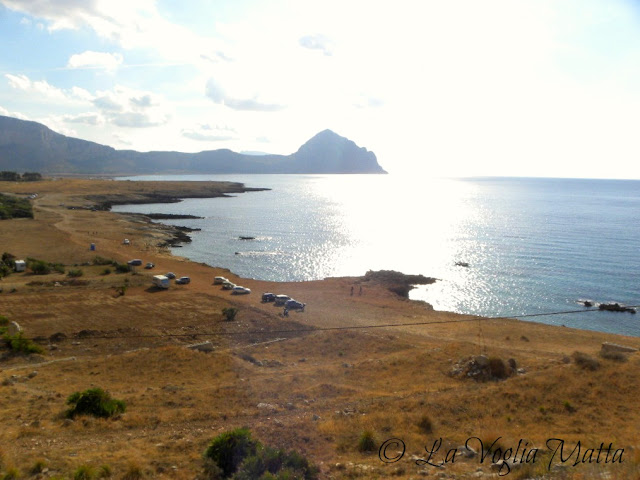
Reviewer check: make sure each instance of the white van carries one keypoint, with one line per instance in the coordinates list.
(219, 280)
(161, 281)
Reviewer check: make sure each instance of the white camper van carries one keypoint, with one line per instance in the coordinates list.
(20, 265)
(161, 281)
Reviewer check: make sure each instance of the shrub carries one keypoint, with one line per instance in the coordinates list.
(271, 463)
(95, 402)
(134, 472)
(229, 449)
(75, 273)
(84, 472)
(57, 267)
(229, 313)
(11, 474)
(121, 267)
(104, 471)
(5, 270)
(425, 424)
(367, 443)
(98, 260)
(38, 467)
(497, 368)
(106, 271)
(585, 361)
(20, 344)
(615, 356)
(40, 267)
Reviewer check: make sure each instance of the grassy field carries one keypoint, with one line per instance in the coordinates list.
(316, 382)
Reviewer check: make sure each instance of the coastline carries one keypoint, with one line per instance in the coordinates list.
(377, 359)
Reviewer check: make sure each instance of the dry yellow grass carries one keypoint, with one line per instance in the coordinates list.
(294, 382)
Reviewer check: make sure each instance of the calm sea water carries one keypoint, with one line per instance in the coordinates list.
(533, 245)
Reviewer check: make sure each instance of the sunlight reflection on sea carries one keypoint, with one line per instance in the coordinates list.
(531, 245)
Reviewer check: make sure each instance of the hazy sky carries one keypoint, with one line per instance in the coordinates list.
(455, 87)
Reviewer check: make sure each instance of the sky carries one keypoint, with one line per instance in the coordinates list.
(545, 88)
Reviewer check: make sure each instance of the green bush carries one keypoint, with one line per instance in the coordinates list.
(367, 443)
(121, 267)
(98, 260)
(228, 450)
(14, 207)
(229, 313)
(40, 267)
(271, 463)
(95, 402)
(104, 471)
(84, 472)
(11, 474)
(38, 467)
(106, 271)
(5, 270)
(75, 273)
(20, 344)
(57, 267)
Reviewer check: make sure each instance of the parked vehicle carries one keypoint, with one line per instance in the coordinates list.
(149, 266)
(170, 275)
(126, 242)
(136, 262)
(219, 280)
(268, 297)
(294, 305)
(238, 290)
(281, 299)
(228, 285)
(160, 281)
(183, 280)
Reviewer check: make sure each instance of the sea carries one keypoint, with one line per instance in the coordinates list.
(530, 248)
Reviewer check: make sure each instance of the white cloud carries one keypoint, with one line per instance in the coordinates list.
(22, 82)
(125, 107)
(91, 59)
(210, 133)
(86, 118)
(317, 42)
(215, 92)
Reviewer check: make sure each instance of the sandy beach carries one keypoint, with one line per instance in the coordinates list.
(360, 358)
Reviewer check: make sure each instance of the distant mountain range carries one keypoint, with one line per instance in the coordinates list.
(32, 147)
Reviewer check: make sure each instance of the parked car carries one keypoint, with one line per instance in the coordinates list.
(126, 242)
(268, 297)
(183, 280)
(219, 280)
(135, 262)
(238, 290)
(149, 266)
(170, 275)
(228, 285)
(294, 305)
(281, 299)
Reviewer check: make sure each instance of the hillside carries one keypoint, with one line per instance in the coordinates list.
(30, 146)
